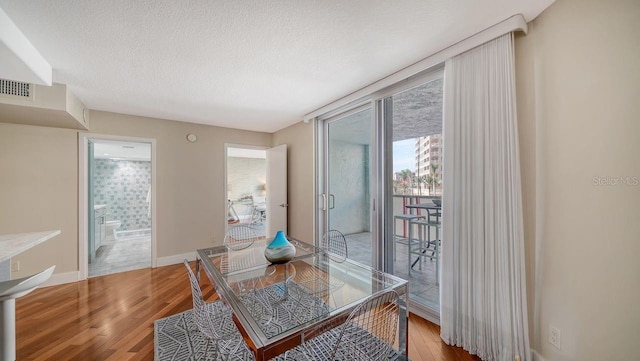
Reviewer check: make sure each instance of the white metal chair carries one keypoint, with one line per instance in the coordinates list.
(214, 320)
(335, 243)
(367, 334)
(240, 236)
(237, 240)
(317, 281)
(9, 291)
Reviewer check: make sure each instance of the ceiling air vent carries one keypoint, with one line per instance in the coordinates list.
(15, 88)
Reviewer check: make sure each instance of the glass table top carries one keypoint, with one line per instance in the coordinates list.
(272, 301)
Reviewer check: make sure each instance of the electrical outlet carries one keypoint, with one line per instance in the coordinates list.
(554, 336)
(15, 266)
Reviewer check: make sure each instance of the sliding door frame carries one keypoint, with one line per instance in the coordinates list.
(381, 195)
(322, 170)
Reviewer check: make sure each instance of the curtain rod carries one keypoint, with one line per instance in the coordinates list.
(513, 23)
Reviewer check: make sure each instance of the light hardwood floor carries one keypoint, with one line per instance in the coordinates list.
(111, 318)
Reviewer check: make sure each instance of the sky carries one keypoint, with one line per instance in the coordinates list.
(404, 155)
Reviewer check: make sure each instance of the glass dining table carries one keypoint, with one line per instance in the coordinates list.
(278, 306)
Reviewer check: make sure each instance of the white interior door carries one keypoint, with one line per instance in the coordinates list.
(276, 190)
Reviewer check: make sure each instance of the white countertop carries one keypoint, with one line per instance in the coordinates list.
(13, 244)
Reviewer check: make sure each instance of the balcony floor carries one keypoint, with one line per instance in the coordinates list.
(422, 283)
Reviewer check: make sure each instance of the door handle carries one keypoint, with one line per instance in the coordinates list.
(284, 205)
(324, 202)
(332, 201)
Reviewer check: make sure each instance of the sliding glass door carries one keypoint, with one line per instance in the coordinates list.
(413, 173)
(380, 183)
(347, 181)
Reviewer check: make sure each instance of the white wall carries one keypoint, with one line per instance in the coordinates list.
(246, 176)
(578, 77)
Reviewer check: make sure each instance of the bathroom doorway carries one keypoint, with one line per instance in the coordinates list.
(117, 227)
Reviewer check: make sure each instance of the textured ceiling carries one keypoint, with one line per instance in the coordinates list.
(258, 65)
(415, 112)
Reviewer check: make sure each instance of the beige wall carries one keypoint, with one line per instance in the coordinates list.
(39, 177)
(578, 90)
(38, 192)
(191, 204)
(527, 139)
(300, 153)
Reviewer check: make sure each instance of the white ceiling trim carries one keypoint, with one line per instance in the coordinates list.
(21, 61)
(514, 23)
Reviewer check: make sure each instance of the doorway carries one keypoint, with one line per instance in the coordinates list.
(117, 228)
(246, 187)
(256, 187)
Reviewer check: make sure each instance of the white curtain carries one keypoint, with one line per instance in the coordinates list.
(483, 292)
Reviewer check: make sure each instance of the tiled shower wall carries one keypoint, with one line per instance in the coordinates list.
(124, 187)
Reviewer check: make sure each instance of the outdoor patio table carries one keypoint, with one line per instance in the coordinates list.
(428, 206)
(433, 210)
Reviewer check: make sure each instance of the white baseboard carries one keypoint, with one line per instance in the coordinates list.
(62, 278)
(429, 316)
(536, 356)
(74, 276)
(175, 259)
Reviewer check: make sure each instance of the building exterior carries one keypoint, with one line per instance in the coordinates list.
(428, 152)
